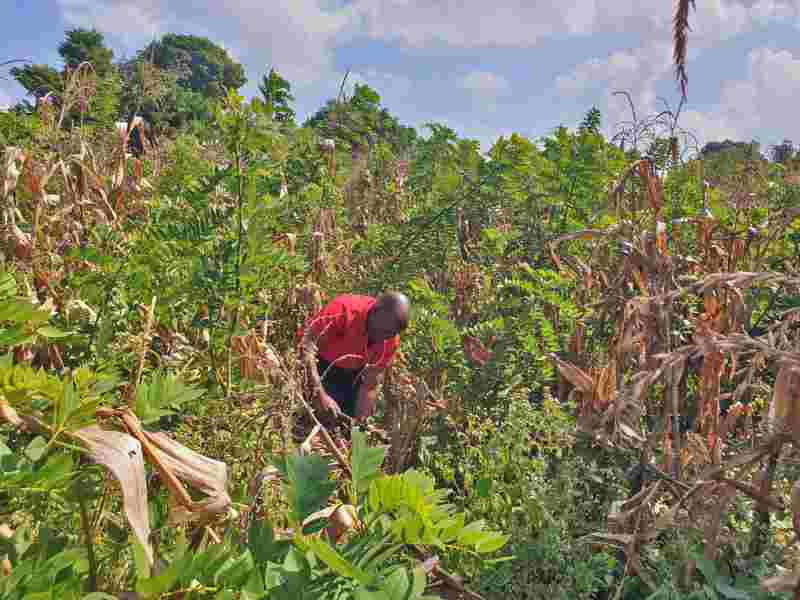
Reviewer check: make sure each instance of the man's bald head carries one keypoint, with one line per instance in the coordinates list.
(389, 316)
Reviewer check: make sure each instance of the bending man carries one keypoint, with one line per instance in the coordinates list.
(356, 337)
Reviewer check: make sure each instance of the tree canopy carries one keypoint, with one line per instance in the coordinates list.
(360, 121)
(277, 94)
(200, 65)
(85, 45)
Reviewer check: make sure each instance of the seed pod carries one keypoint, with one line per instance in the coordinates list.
(342, 520)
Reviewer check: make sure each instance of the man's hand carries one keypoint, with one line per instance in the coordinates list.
(329, 405)
(368, 394)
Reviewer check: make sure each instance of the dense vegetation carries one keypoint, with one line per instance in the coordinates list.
(597, 397)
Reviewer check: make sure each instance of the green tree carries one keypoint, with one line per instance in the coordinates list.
(277, 95)
(200, 65)
(147, 90)
(39, 80)
(783, 152)
(360, 121)
(100, 100)
(84, 45)
(724, 160)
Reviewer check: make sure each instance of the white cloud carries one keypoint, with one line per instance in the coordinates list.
(760, 107)
(296, 36)
(5, 100)
(391, 87)
(299, 38)
(639, 71)
(521, 23)
(130, 23)
(485, 84)
(514, 23)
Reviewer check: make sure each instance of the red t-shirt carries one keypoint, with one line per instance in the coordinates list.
(340, 331)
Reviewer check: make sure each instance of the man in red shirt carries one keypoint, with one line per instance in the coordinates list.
(357, 337)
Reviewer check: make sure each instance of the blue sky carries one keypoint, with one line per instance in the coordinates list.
(485, 69)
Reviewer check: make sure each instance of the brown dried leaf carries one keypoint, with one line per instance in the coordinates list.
(122, 455)
(786, 582)
(740, 460)
(795, 501)
(476, 351)
(202, 473)
(9, 415)
(577, 377)
(784, 411)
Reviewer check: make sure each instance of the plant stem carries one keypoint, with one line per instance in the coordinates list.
(87, 532)
(762, 522)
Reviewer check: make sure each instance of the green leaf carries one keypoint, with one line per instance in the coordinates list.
(295, 562)
(365, 461)
(52, 333)
(451, 528)
(15, 336)
(483, 487)
(731, 592)
(8, 285)
(307, 485)
(67, 404)
(396, 585)
(236, 573)
(155, 398)
(140, 559)
(36, 448)
(327, 554)
(472, 533)
(261, 541)
(6, 458)
(155, 586)
(708, 569)
(365, 594)
(491, 543)
(420, 579)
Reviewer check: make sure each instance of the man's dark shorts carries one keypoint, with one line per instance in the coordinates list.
(341, 385)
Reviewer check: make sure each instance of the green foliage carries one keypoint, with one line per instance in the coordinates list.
(147, 90)
(39, 80)
(199, 64)
(365, 463)
(18, 129)
(360, 122)
(21, 321)
(84, 45)
(502, 491)
(277, 96)
(307, 485)
(162, 396)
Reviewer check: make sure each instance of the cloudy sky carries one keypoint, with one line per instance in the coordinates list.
(484, 68)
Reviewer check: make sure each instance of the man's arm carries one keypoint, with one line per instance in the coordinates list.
(368, 392)
(309, 350)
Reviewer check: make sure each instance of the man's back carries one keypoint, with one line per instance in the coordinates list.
(341, 328)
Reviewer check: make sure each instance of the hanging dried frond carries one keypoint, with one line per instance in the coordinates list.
(680, 41)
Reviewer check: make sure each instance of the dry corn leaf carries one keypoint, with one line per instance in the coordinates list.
(122, 455)
(580, 379)
(202, 473)
(784, 411)
(476, 351)
(786, 582)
